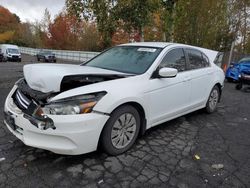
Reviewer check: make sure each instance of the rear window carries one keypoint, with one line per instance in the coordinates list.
(245, 60)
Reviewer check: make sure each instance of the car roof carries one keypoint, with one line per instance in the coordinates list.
(148, 44)
(163, 45)
(210, 53)
(46, 51)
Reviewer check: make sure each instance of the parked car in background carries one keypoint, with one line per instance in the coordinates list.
(1, 56)
(111, 99)
(244, 79)
(236, 69)
(46, 56)
(10, 52)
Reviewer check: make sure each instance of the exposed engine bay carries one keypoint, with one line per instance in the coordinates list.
(43, 82)
(74, 81)
(68, 82)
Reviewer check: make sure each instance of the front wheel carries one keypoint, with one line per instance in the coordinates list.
(213, 100)
(239, 86)
(121, 130)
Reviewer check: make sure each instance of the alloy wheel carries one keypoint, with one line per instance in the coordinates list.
(123, 130)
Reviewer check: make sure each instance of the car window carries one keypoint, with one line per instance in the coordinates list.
(195, 59)
(205, 60)
(219, 59)
(12, 50)
(245, 60)
(174, 59)
(126, 59)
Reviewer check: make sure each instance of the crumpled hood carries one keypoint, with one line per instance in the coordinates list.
(48, 77)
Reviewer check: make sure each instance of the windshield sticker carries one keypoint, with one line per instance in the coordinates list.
(146, 50)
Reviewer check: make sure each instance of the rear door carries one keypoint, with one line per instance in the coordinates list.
(200, 74)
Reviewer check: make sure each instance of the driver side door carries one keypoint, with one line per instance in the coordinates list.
(169, 97)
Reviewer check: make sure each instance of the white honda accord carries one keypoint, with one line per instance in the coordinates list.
(111, 99)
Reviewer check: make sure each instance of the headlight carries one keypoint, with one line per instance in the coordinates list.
(74, 105)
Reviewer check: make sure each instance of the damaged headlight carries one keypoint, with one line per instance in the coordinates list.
(74, 105)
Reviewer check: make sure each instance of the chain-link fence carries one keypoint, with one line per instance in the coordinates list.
(80, 56)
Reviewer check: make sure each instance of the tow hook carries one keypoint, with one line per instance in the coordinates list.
(43, 122)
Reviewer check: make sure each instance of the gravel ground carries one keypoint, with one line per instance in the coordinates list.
(197, 150)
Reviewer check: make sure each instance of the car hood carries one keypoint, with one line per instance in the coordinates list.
(48, 78)
(15, 54)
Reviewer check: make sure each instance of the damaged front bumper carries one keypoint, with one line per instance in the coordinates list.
(72, 134)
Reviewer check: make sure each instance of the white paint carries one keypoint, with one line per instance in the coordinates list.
(162, 99)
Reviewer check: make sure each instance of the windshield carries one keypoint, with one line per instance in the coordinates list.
(13, 51)
(126, 59)
(245, 60)
(47, 52)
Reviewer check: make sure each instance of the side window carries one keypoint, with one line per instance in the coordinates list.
(205, 60)
(219, 59)
(195, 59)
(174, 59)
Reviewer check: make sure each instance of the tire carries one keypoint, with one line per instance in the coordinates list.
(230, 80)
(213, 100)
(239, 86)
(115, 138)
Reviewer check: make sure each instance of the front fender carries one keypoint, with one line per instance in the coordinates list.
(110, 102)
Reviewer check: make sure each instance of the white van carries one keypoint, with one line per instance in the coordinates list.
(10, 52)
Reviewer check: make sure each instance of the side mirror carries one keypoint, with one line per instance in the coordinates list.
(167, 72)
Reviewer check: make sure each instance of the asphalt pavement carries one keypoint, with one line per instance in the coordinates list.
(196, 150)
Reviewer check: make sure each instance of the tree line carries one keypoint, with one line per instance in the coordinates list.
(98, 24)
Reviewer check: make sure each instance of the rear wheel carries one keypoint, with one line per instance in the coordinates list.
(230, 80)
(213, 100)
(121, 130)
(239, 86)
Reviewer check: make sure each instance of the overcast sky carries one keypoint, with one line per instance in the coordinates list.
(33, 10)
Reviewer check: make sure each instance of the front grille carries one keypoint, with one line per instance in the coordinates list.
(21, 100)
(15, 57)
(51, 57)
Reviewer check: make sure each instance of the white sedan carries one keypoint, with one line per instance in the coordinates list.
(111, 99)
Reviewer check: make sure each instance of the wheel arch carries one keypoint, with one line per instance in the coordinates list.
(219, 85)
(141, 112)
